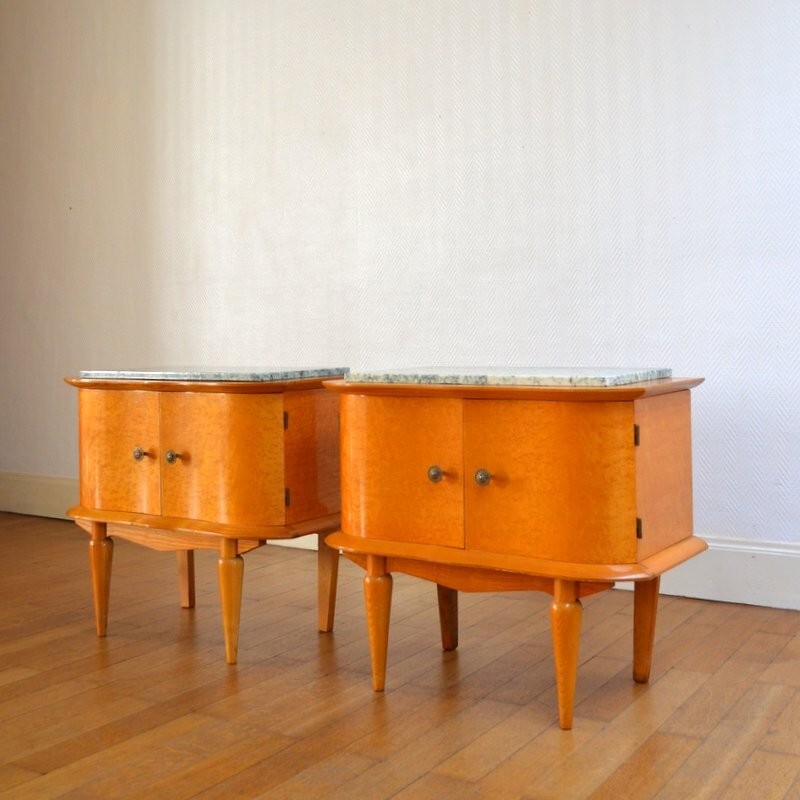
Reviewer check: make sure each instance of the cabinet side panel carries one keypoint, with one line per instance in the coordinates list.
(664, 470)
(230, 465)
(311, 454)
(562, 484)
(111, 425)
(388, 444)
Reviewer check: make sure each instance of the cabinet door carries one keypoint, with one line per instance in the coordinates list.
(562, 481)
(389, 445)
(112, 425)
(664, 470)
(230, 457)
(311, 454)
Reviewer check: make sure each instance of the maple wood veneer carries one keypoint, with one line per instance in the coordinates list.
(225, 465)
(559, 489)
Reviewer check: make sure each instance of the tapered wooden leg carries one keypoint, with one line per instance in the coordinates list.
(101, 551)
(378, 596)
(230, 569)
(645, 607)
(448, 616)
(565, 621)
(327, 578)
(186, 577)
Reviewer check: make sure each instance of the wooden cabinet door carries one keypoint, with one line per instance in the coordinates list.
(311, 454)
(664, 470)
(391, 444)
(230, 457)
(112, 425)
(563, 480)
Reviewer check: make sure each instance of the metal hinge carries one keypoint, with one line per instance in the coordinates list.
(636, 435)
(285, 420)
(638, 527)
(287, 497)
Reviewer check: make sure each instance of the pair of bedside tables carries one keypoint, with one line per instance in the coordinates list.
(561, 481)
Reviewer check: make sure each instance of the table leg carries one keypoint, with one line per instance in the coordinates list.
(230, 570)
(565, 621)
(186, 577)
(101, 551)
(327, 578)
(448, 616)
(645, 606)
(378, 597)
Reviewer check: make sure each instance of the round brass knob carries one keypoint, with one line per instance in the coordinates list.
(435, 473)
(483, 477)
(172, 456)
(139, 453)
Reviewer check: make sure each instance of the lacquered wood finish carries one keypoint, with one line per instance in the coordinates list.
(390, 445)
(447, 600)
(591, 573)
(230, 464)
(253, 461)
(663, 470)
(230, 570)
(327, 579)
(645, 608)
(378, 594)
(311, 454)
(545, 488)
(186, 585)
(101, 551)
(562, 480)
(111, 425)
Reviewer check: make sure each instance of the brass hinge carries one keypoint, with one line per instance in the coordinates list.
(287, 497)
(638, 527)
(635, 435)
(285, 420)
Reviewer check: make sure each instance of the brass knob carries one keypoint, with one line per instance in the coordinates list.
(172, 456)
(435, 473)
(482, 477)
(139, 453)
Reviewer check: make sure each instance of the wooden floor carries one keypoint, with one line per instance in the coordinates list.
(153, 711)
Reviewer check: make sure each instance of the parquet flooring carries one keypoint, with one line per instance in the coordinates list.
(153, 711)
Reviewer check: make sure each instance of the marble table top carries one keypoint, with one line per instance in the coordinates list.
(513, 376)
(260, 374)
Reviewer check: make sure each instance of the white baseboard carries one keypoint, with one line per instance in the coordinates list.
(737, 571)
(38, 495)
(732, 571)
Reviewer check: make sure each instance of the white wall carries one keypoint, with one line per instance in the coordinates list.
(421, 182)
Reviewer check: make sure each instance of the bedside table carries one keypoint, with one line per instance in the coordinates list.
(225, 460)
(562, 481)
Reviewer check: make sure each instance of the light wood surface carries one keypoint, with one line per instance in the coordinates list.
(563, 486)
(663, 470)
(645, 608)
(311, 454)
(197, 465)
(230, 464)
(566, 613)
(111, 424)
(152, 710)
(378, 591)
(399, 440)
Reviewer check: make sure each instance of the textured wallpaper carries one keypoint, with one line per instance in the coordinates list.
(596, 182)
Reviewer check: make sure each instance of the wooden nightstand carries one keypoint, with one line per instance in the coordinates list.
(542, 480)
(221, 460)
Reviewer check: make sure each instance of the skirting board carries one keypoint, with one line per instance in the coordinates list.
(732, 571)
(38, 495)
